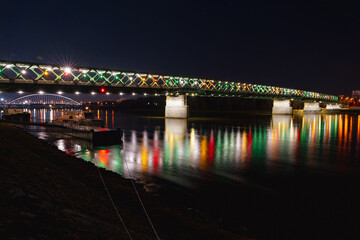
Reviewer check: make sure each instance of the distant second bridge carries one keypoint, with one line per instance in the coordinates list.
(43, 99)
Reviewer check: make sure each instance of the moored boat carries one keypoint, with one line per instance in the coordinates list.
(80, 118)
(86, 126)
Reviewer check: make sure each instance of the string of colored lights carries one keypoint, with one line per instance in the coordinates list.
(16, 72)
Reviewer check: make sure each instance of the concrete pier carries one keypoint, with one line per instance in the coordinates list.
(281, 107)
(176, 107)
(312, 107)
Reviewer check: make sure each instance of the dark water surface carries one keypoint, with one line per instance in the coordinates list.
(270, 177)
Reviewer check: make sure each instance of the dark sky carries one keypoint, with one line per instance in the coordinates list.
(313, 46)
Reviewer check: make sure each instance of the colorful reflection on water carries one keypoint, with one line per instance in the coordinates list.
(46, 114)
(180, 149)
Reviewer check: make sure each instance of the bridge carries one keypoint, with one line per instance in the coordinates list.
(53, 78)
(43, 99)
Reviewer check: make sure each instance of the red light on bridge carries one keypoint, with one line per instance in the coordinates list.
(102, 90)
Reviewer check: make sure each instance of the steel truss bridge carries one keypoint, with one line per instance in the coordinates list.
(38, 77)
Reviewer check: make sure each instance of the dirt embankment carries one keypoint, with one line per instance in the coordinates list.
(46, 194)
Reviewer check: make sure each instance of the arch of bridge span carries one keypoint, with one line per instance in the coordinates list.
(67, 99)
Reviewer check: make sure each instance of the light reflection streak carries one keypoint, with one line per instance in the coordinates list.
(144, 152)
(106, 119)
(244, 147)
(340, 130)
(237, 145)
(156, 152)
(112, 118)
(358, 129)
(203, 154)
(350, 129)
(225, 149)
(346, 129)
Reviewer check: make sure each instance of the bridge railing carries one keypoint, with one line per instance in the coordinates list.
(14, 72)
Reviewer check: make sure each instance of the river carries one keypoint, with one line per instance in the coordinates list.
(232, 167)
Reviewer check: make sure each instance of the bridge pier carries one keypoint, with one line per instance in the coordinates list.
(333, 106)
(312, 107)
(281, 107)
(176, 107)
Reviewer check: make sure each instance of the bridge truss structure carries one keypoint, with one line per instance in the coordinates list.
(51, 77)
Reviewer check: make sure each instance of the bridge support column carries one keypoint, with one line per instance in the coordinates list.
(176, 107)
(281, 107)
(333, 106)
(312, 107)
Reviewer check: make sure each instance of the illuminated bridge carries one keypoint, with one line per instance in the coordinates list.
(36, 77)
(43, 99)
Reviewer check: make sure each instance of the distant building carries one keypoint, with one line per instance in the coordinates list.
(356, 94)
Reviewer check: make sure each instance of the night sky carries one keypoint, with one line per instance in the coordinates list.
(311, 46)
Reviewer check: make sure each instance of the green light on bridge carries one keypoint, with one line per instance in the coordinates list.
(124, 77)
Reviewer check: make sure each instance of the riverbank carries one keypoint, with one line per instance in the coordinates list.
(46, 194)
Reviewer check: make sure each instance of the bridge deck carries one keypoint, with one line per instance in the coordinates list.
(35, 76)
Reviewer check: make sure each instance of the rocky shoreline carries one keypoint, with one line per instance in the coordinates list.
(46, 194)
